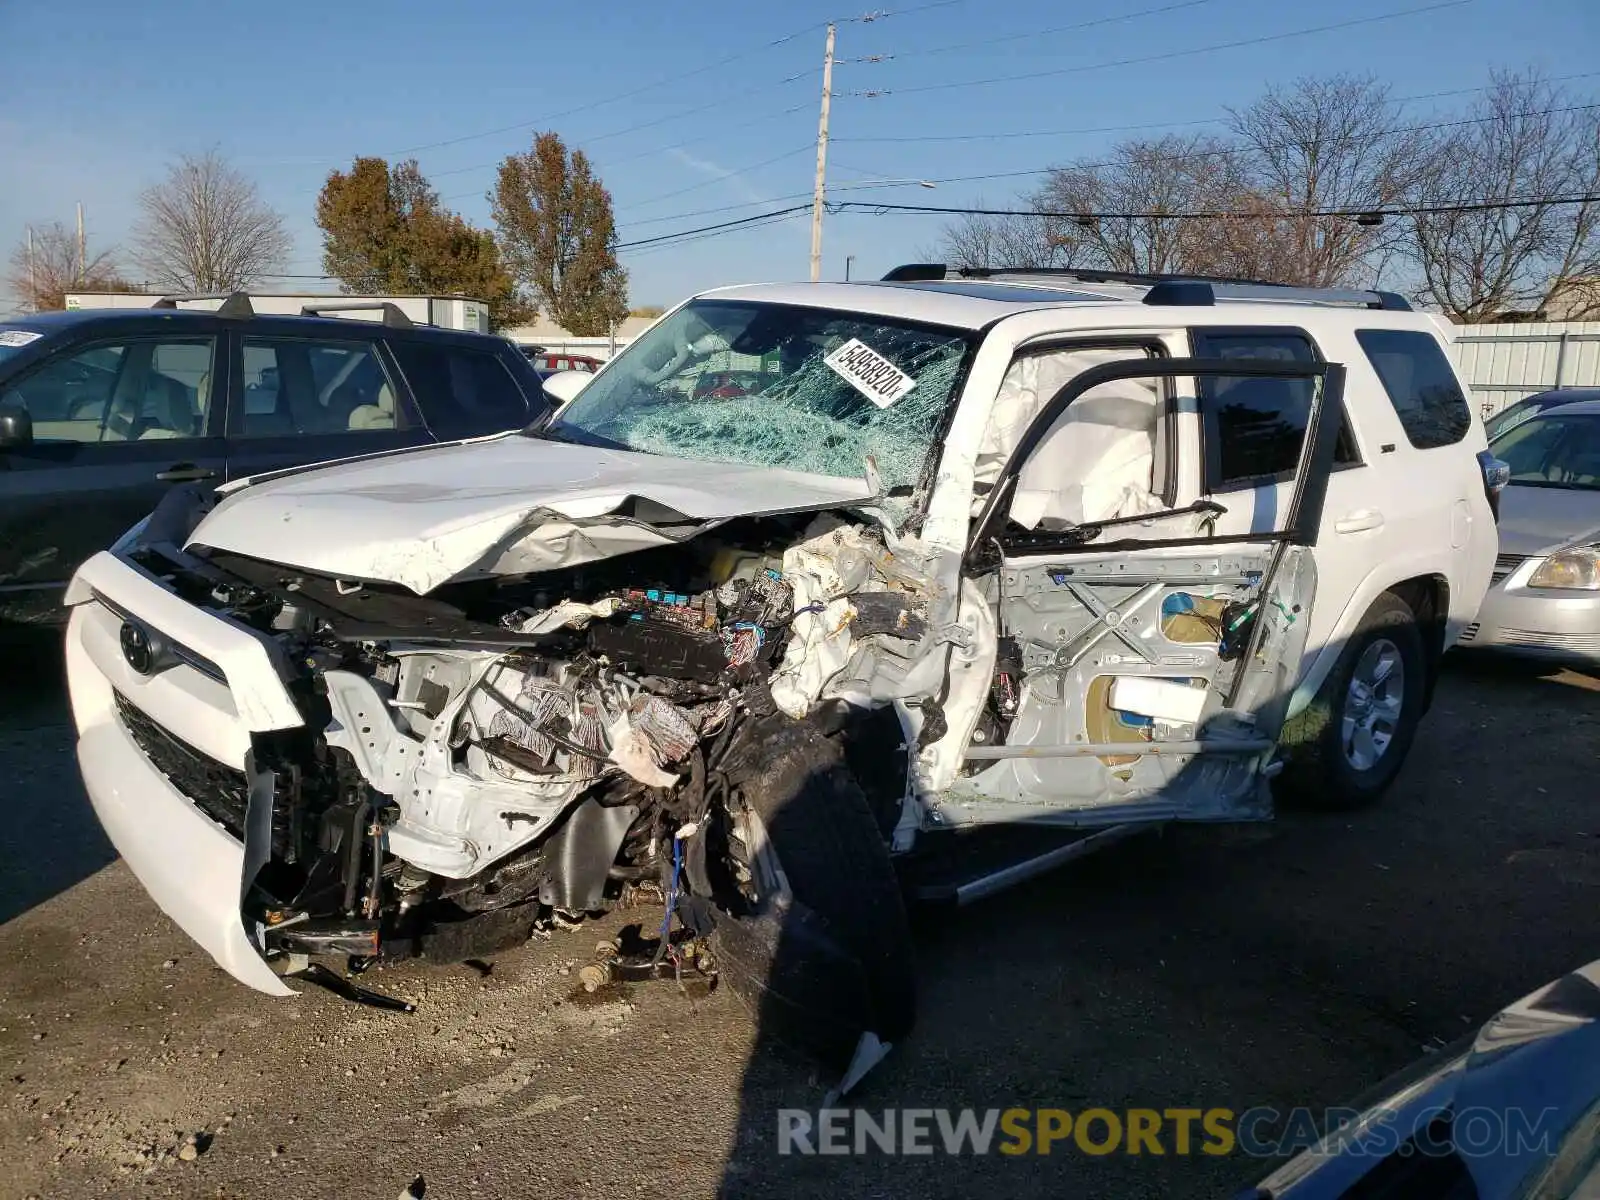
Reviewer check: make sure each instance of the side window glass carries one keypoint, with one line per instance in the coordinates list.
(1254, 428)
(462, 393)
(1421, 386)
(294, 387)
(129, 391)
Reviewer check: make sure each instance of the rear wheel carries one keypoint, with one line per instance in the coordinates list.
(1348, 745)
(832, 958)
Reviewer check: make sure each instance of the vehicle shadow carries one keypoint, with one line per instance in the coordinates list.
(1289, 963)
(49, 838)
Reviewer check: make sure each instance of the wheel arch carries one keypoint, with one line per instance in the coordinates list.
(1426, 593)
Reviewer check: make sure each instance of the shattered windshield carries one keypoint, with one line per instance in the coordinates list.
(770, 385)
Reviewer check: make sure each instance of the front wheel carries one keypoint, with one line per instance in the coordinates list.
(1348, 745)
(824, 955)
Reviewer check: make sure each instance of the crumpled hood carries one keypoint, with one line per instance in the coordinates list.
(500, 507)
(1536, 520)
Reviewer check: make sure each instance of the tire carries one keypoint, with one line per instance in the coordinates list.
(1331, 765)
(840, 961)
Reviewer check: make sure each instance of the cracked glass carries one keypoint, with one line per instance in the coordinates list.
(748, 383)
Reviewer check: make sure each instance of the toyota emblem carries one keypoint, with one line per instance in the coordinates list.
(137, 647)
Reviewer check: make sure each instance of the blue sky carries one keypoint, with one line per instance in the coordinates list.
(99, 94)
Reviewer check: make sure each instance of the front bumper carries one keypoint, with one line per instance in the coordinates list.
(1539, 622)
(192, 867)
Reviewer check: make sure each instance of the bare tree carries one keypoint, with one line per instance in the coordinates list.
(980, 240)
(1315, 146)
(1122, 204)
(1478, 264)
(42, 272)
(205, 228)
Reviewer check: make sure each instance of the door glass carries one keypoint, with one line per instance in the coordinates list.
(462, 393)
(301, 387)
(1254, 427)
(135, 390)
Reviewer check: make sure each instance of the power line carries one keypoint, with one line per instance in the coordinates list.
(1033, 133)
(1421, 210)
(771, 220)
(1029, 35)
(711, 66)
(705, 212)
(723, 178)
(867, 206)
(1172, 54)
(650, 241)
(1227, 151)
(651, 124)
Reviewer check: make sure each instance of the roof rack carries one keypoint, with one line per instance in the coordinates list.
(1165, 289)
(393, 317)
(234, 304)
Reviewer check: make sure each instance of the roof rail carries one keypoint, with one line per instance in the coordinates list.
(234, 304)
(1161, 291)
(393, 317)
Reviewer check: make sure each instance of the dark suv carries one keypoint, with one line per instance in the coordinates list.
(101, 411)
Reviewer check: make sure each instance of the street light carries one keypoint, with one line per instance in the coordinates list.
(848, 259)
(872, 183)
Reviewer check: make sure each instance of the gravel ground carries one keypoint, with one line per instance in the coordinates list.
(1283, 964)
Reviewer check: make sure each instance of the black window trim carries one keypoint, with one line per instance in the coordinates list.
(1154, 348)
(1209, 469)
(1466, 399)
(71, 348)
(376, 346)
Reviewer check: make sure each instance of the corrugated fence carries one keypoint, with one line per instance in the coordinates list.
(1503, 363)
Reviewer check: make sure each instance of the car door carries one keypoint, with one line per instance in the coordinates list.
(299, 400)
(116, 422)
(1144, 661)
(462, 391)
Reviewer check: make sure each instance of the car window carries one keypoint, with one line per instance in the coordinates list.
(121, 391)
(462, 393)
(1554, 451)
(304, 387)
(1254, 428)
(1421, 386)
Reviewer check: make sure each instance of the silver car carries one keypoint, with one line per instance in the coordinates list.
(1544, 598)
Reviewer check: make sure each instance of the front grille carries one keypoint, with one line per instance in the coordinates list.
(1470, 632)
(1504, 564)
(1578, 643)
(216, 789)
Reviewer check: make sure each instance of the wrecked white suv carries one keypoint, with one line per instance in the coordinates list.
(814, 597)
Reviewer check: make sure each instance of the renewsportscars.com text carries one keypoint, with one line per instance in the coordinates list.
(1261, 1132)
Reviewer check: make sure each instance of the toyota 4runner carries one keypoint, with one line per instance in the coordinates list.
(951, 577)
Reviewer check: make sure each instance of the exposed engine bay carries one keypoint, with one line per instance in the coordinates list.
(504, 752)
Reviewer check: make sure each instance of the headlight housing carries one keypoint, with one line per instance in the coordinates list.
(1569, 570)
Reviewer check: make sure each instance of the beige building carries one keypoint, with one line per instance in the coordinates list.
(551, 336)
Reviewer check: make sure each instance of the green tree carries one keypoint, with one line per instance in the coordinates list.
(386, 232)
(558, 233)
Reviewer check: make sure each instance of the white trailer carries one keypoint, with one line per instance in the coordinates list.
(446, 312)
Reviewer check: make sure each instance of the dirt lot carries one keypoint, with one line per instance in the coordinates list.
(1295, 963)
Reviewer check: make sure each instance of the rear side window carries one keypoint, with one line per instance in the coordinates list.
(1254, 428)
(1421, 386)
(295, 387)
(462, 393)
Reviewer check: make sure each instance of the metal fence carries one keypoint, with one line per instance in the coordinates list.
(1503, 363)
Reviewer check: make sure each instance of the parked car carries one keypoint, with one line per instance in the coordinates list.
(101, 411)
(1508, 1113)
(548, 361)
(1544, 597)
(1532, 406)
(994, 570)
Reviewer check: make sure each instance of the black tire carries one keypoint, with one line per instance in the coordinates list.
(1320, 772)
(822, 830)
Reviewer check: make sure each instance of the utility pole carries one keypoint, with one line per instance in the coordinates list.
(80, 243)
(33, 284)
(848, 259)
(822, 160)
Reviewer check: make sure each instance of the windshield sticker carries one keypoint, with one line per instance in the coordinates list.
(870, 373)
(18, 337)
